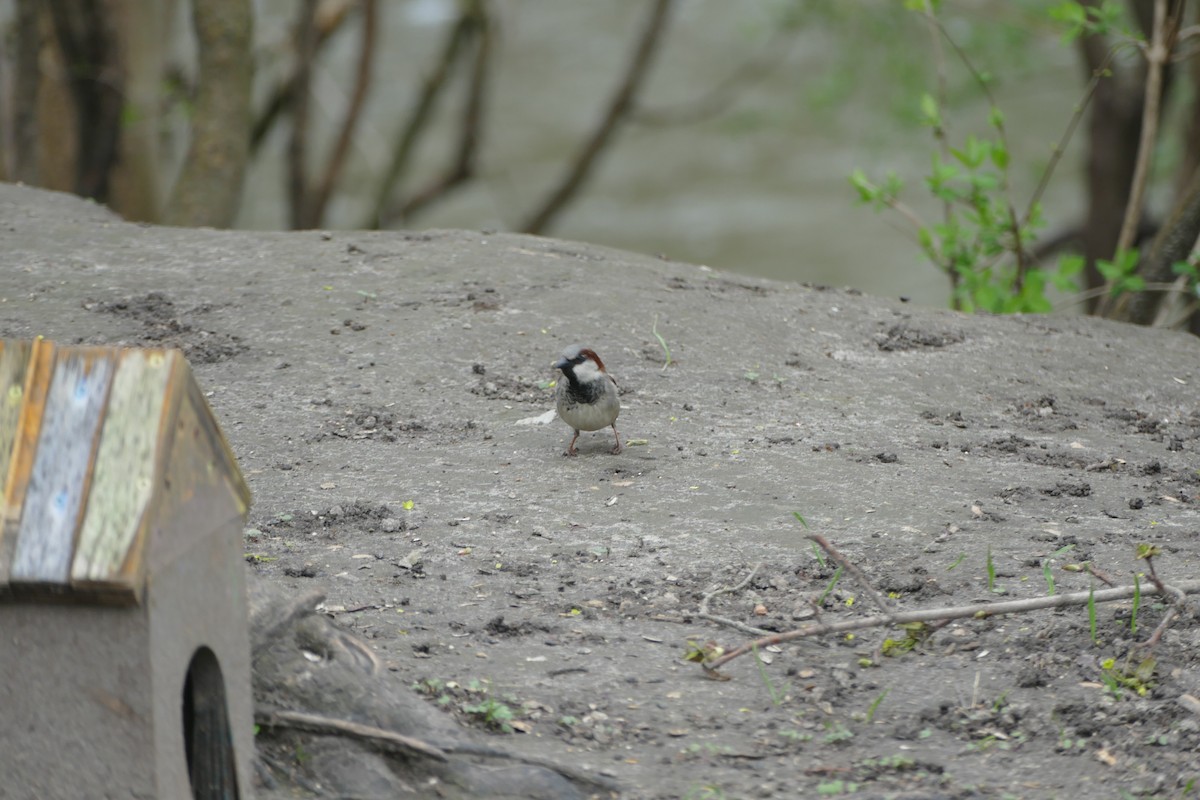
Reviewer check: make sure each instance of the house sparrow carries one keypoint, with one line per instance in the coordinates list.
(587, 397)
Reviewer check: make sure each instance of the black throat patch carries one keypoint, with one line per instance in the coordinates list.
(580, 392)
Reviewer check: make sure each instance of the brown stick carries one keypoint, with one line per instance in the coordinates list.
(618, 109)
(390, 740)
(1156, 57)
(880, 602)
(297, 151)
(704, 613)
(1178, 600)
(316, 723)
(978, 610)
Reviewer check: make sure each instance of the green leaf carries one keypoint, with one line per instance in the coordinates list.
(1137, 602)
(1033, 296)
(1064, 283)
(925, 239)
(1147, 551)
(892, 184)
(1185, 268)
(1127, 261)
(1070, 265)
(867, 191)
(1072, 16)
(930, 115)
(999, 155)
(1120, 272)
(1131, 283)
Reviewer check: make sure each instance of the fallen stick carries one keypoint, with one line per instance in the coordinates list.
(864, 583)
(978, 611)
(732, 623)
(390, 740)
(317, 723)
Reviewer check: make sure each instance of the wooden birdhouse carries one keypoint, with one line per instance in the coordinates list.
(124, 651)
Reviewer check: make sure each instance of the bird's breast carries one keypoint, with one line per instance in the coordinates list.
(588, 406)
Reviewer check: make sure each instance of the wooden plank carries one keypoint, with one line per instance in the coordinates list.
(39, 372)
(14, 362)
(203, 491)
(58, 483)
(124, 475)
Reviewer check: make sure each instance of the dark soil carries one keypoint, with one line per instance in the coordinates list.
(387, 394)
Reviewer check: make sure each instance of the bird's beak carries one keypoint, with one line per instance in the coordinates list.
(560, 364)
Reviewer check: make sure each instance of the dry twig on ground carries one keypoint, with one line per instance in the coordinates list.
(1176, 594)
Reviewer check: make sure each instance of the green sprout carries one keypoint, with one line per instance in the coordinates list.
(875, 704)
(1137, 602)
(837, 575)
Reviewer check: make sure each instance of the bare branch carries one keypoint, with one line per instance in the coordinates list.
(1156, 58)
(1114, 129)
(362, 82)
(978, 611)
(863, 582)
(1174, 242)
(1177, 599)
(328, 21)
(421, 115)
(704, 613)
(462, 166)
(618, 109)
(1162, 41)
(724, 92)
(301, 91)
(1099, 71)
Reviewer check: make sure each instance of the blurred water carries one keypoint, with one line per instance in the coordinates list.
(760, 188)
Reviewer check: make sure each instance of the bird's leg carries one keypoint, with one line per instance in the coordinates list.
(617, 436)
(571, 451)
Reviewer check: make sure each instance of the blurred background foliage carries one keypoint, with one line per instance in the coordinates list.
(707, 131)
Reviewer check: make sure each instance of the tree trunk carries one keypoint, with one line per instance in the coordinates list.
(137, 177)
(210, 185)
(90, 54)
(24, 165)
(1114, 129)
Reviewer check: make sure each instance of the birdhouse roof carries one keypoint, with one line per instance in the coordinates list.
(111, 464)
